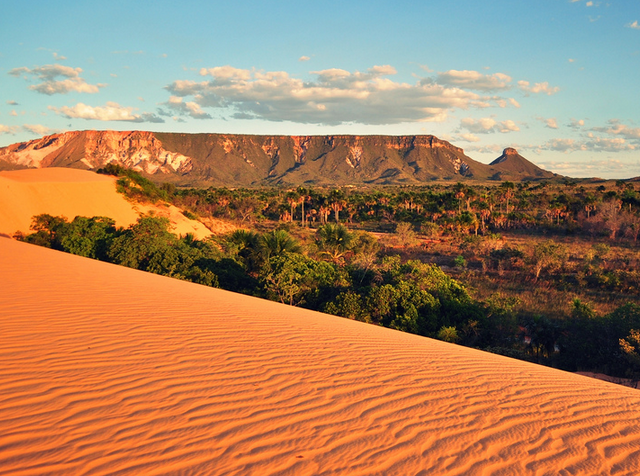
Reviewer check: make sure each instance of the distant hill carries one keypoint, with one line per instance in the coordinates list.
(253, 160)
(515, 167)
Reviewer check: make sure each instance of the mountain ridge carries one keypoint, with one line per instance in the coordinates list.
(209, 159)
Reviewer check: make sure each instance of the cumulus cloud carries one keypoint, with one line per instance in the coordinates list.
(592, 144)
(8, 129)
(487, 149)
(56, 79)
(37, 129)
(487, 125)
(576, 123)
(633, 25)
(112, 111)
(12, 103)
(469, 137)
(304, 58)
(184, 108)
(538, 88)
(609, 168)
(474, 80)
(551, 122)
(334, 97)
(616, 128)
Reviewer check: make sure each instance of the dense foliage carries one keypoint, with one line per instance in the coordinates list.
(342, 272)
(530, 297)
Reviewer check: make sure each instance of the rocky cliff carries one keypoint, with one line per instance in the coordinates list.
(245, 160)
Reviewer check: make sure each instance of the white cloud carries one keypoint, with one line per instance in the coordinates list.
(609, 168)
(576, 123)
(633, 25)
(538, 88)
(185, 108)
(12, 103)
(58, 57)
(505, 102)
(112, 111)
(469, 138)
(8, 129)
(486, 149)
(487, 125)
(37, 129)
(592, 144)
(616, 128)
(334, 97)
(13, 113)
(508, 126)
(50, 83)
(304, 58)
(474, 80)
(551, 123)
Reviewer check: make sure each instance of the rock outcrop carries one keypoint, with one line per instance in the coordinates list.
(250, 160)
(512, 166)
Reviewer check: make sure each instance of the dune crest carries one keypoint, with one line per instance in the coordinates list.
(109, 370)
(73, 192)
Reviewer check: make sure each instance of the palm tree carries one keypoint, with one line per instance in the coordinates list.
(292, 199)
(277, 242)
(303, 197)
(337, 206)
(246, 245)
(334, 240)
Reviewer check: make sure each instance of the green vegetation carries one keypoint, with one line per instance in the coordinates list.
(546, 273)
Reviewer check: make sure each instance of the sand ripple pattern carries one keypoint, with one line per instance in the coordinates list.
(106, 370)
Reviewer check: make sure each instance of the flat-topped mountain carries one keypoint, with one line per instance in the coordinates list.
(513, 166)
(250, 160)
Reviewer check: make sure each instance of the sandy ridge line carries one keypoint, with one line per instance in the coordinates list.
(73, 192)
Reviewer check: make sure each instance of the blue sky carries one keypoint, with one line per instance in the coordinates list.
(556, 79)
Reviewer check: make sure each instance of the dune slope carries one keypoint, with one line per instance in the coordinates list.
(71, 193)
(108, 370)
(57, 191)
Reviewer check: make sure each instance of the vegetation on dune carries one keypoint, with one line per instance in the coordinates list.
(546, 273)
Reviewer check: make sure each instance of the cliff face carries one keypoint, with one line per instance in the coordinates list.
(243, 160)
(94, 149)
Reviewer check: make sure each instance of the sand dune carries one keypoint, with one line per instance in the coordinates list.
(108, 370)
(73, 192)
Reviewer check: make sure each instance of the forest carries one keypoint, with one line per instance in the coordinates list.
(544, 272)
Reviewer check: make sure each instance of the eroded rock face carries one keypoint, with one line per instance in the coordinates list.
(31, 154)
(243, 160)
(94, 149)
(136, 150)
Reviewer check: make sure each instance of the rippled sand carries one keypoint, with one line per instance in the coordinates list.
(108, 370)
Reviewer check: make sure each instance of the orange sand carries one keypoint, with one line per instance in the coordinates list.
(108, 370)
(73, 192)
